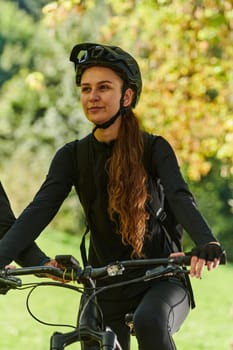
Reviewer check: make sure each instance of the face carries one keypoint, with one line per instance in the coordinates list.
(101, 90)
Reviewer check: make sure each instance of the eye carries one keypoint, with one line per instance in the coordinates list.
(104, 87)
(85, 89)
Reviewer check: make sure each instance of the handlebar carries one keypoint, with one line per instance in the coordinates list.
(73, 271)
(9, 279)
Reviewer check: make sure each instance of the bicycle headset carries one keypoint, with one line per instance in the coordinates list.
(87, 55)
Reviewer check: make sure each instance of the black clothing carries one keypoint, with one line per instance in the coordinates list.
(159, 312)
(63, 174)
(7, 218)
(163, 304)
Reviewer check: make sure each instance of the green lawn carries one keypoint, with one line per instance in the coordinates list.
(208, 327)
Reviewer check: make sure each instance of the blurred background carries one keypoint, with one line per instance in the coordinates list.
(185, 52)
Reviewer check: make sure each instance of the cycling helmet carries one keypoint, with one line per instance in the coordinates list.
(90, 54)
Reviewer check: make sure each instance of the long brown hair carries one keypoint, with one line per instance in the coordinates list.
(127, 184)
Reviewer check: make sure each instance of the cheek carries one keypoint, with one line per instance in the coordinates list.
(83, 101)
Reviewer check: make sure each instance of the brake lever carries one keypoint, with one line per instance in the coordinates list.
(161, 271)
(9, 282)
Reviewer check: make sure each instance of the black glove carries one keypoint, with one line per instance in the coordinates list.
(209, 252)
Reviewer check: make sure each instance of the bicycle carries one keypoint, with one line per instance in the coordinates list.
(91, 329)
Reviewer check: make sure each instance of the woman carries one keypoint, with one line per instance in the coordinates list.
(115, 194)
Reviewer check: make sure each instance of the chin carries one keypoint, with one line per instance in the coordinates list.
(97, 120)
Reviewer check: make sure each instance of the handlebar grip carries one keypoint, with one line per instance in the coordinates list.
(186, 259)
(182, 260)
(223, 259)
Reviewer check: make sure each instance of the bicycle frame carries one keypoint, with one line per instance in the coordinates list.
(91, 329)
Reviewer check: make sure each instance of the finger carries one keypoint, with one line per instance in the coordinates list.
(213, 264)
(216, 263)
(193, 263)
(51, 262)
(10, 267)
(175, 255)
(57, 279)
(210, 265)
(199, 267)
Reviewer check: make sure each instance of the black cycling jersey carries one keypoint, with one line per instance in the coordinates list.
(105, 243)
(7, 219)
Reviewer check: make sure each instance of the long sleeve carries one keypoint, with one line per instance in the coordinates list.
(7, 217)
(40, 211)
(165, 165)
(31, 255)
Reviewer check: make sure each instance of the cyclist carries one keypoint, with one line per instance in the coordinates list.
(114, 193)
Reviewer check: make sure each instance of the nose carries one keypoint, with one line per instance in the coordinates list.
(94, 96)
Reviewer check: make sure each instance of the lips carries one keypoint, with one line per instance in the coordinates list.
(94, 109)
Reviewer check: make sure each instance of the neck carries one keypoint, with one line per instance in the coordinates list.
(109, 134)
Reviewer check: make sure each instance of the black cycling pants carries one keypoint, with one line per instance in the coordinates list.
(158, 314)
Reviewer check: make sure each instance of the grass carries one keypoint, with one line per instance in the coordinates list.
(208, 327)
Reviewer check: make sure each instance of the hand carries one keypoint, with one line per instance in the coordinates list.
(209, 255)
(54, 263)
(10, 267)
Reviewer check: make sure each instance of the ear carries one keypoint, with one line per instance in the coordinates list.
(128, 98)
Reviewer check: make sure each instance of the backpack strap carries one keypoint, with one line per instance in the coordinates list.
(83, 246)
(82, 162)
(83, 155)
(159, 212)
(159, 207)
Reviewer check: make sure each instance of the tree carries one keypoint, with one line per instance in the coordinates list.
(185, 53)
(32, 7)
(214, 195)
(39, 101)
(35, 65)
(16, 30)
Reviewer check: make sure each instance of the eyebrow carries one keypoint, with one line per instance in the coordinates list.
(99, 82)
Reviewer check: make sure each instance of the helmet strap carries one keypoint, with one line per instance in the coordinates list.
(121, 111)
(108, 123)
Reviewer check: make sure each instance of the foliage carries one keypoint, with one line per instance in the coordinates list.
(15, 36)
(43, 112)
(214, 197)
(44, 108)
(40, 108)
(32, 7)
(185, 51)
